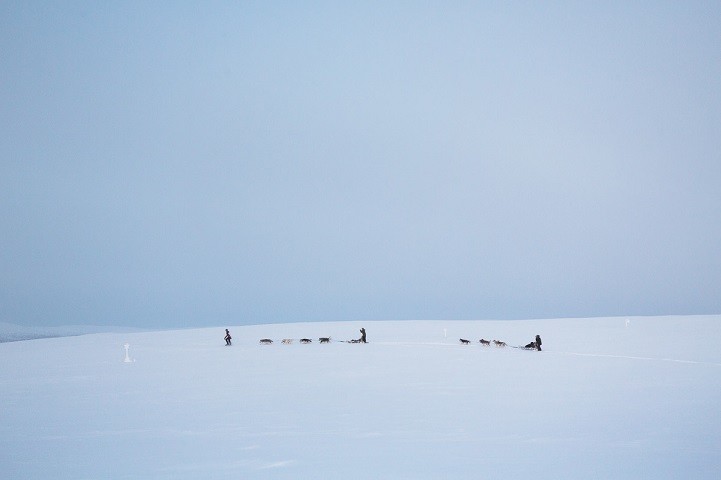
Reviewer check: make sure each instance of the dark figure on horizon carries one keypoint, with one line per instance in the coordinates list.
(363, 335)
(227, 337)
(536, 345)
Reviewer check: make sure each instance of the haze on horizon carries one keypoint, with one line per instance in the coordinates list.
(197, 164)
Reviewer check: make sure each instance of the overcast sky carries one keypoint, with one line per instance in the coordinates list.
(225, 163)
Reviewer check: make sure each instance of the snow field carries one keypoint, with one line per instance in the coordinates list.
(603, 399)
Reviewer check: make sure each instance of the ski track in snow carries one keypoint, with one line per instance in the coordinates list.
(629, 357)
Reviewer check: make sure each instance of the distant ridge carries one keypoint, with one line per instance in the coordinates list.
(15, 333)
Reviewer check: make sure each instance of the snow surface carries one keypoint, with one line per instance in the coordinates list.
(14, 333)
(611, 398)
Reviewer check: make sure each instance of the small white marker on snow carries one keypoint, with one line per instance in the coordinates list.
(127, 357)
(628, 322)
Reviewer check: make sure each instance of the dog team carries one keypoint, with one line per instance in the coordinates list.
(289, 341)
(534, 345)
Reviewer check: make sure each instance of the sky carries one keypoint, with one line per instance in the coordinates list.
(170, 164)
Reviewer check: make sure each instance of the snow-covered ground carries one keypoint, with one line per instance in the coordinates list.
(15, 333)
(610, 398)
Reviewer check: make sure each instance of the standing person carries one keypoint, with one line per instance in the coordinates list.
(538, 343)
(363, 335)
(227, 337)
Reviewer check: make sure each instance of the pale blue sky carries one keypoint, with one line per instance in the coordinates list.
(213, 163)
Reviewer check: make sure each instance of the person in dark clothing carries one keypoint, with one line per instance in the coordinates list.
(363, 335)
(538, 342)
(227, 337)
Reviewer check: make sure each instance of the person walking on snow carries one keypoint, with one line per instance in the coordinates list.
(363, 335)
(538, 343)
(227, 337)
